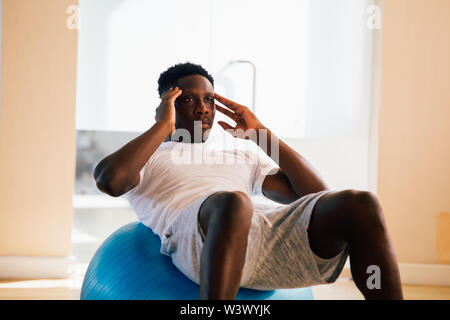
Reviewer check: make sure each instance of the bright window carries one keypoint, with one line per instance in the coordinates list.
(313, 61)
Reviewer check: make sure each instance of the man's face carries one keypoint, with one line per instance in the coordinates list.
(196, 103)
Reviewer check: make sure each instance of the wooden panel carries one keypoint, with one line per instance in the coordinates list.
(37, 128)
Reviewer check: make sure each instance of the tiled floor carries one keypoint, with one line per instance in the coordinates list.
(92, 226)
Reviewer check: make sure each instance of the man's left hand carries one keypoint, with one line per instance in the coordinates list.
(245, 119)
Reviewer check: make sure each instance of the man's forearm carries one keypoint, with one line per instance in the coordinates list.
(301, 174)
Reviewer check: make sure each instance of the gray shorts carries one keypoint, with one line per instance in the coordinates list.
(278, 252)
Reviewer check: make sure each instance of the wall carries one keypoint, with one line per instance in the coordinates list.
(414, 128)
(37, 128)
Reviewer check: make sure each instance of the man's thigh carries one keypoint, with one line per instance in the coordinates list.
(286, 259)
(329, 228)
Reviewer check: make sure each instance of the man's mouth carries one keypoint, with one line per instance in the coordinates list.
(206, 123)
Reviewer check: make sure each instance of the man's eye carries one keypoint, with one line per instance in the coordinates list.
(209, 99)
(188, 99)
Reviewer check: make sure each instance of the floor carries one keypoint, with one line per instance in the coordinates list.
(92, 226)
(69, 289)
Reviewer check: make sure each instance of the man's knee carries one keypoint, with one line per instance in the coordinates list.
(363, 211)
(232, 210)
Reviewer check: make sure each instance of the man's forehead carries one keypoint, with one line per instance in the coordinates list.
(197, 90)
(195, 83)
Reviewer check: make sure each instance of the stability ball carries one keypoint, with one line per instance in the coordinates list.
(129, 266)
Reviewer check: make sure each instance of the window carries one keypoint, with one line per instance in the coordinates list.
(313, 62)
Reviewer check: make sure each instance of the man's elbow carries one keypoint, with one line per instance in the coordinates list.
(106, 183)
(108, 188)
(321, 186)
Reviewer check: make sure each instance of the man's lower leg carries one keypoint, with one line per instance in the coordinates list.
(221, 264)
(374, 267)
(226, 222)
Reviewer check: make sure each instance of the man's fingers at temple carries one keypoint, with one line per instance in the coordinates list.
(227, 112)
(172, 92)
(230, 104)
(176, 94)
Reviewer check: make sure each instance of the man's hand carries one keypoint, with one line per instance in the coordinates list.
(166, 109)
(245, 119)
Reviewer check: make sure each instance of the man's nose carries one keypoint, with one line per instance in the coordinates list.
(201, 108)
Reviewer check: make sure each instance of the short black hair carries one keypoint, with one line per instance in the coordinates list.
(169, 78)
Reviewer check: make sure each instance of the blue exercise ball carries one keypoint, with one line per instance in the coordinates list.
(129, 266)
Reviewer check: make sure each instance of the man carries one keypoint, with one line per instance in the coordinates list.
(205, 216)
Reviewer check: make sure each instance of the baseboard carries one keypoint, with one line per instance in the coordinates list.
(416, 274)
(35, 267)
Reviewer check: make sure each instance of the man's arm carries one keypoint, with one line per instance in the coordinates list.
(119, 172)
(296, 177)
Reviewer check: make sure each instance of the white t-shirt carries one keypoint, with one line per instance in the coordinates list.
(179, 173)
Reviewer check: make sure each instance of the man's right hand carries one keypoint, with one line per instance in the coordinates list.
(166, 109)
